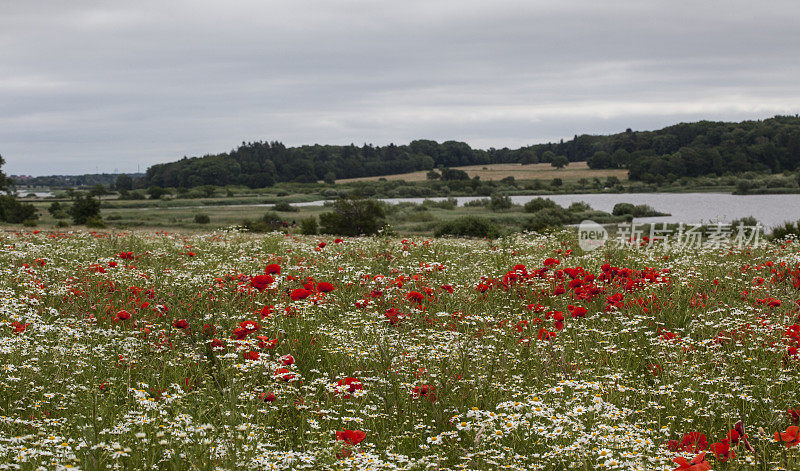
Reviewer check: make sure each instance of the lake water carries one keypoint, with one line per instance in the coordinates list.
(769, 210)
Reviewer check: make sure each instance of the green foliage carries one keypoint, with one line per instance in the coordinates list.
(95, 223)
(433, 175)
(788, 230)
(469, 226)
(449, 174)
(557, 182)
(353, 217)
(559, 161)
(99, 190)
(15, 212)
(330, 178)
(202, 219)
(269, 222)
(84, 208)
(499, 202)
(637, 211)
(156, 192)
(285, 207)
(538, 204)
(309, 226)
(124, 182)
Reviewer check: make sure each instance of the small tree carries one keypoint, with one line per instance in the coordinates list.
(99, 191)
(84, 208)
(309, 226)
(559, 161)
(156, 192)
(124, 182)
(353, 217)
(330, 178)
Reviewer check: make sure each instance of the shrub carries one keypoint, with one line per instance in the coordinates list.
(469, 226)
(285, 207)
(479, 203)
(15, 212)
(269, 222)
(787, 230)
(500, 202)
(353, 217)
(538, 204)
(309, 226)
(29, 223)
(579, 206)
(84, 208)
(62, 224)
(95, 223)
(202, 218)
(638, 211)
(545, 219)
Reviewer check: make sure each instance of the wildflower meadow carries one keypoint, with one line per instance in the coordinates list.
(231, 350)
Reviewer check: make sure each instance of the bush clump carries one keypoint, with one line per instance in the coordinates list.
(202, 219)
(269, 222)
(538, 204)
(469, 226)
(285, 207)
(637, 211)
(352, 217)
(309, 226)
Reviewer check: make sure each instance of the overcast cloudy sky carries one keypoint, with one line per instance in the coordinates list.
(119, 85)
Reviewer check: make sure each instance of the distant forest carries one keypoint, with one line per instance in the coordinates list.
(683, 150)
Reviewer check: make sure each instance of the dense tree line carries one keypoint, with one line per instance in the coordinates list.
(686, 149)
(682, 150)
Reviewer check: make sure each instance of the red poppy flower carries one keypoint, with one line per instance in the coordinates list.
(19, 327)
(415, 296)
(578, 311)
(424, 390)
(550, 262)
(337, 241)
(250, 326)
(266, 342)
(352, 437)
(394, 316)
(251, 355)
(272, 269)
(698, 463)
(791, 436)
(286, 360)
(794, 415)
(261, 282)
(123, 315)
(694, 442)
(352, 384)
(324, 287)
(722, 451)
(239, 333)
(448, 288)
(283, 374)
(322, 245)
(300, 293)
(267, 397)
(216, 343)
(180, 324)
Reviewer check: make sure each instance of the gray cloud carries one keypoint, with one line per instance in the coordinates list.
(107, 85)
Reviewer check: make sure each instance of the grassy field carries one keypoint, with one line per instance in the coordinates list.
(223, 350)
(573, 172)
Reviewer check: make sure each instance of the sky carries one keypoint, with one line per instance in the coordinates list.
(116, 86)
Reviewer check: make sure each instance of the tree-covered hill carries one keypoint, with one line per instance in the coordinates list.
(686, 149)
(664, 155)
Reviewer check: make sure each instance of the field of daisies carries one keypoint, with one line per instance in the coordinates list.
(237, 351)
